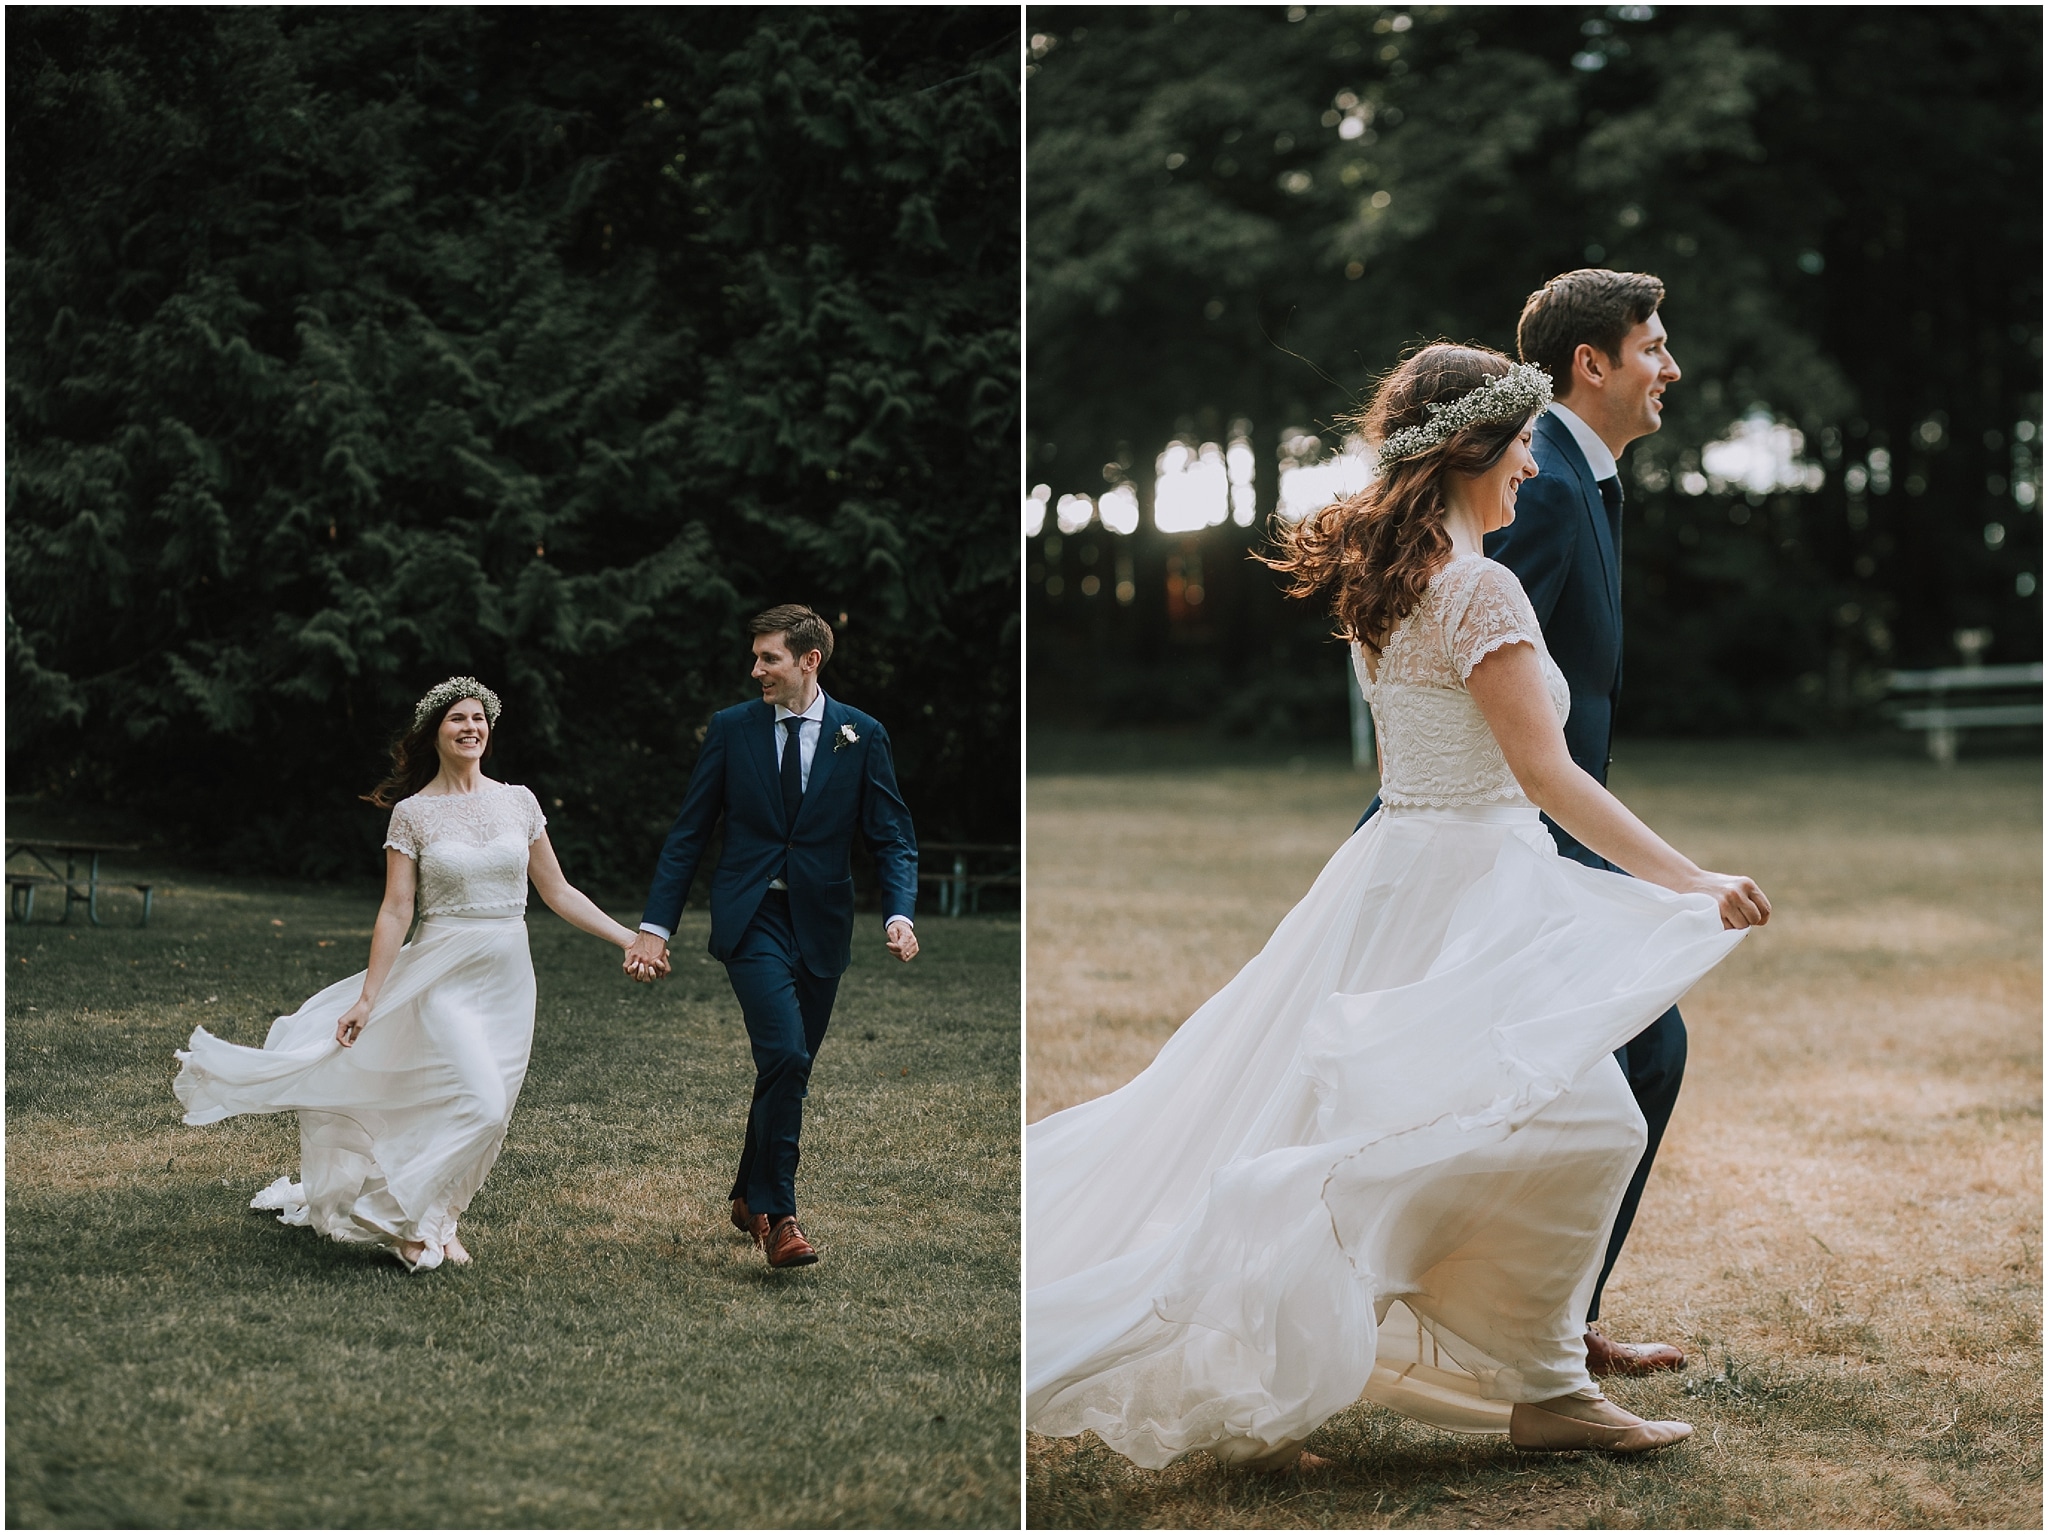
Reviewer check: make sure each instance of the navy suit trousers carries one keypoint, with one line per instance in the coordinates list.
(787, 1009)
(1654, 1063)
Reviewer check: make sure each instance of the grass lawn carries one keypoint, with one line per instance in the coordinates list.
(617, 1355)
(1843, 1228)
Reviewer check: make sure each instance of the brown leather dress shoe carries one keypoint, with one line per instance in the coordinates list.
(787, 1245)
(743, 1220)
(1606, 1357)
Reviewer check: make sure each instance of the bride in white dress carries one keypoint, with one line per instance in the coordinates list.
(1385, 1158)
(404, 1075)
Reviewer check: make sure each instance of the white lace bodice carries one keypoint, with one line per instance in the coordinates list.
(1435, 747)
(471, 848)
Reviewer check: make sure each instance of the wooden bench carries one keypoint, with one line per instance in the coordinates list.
(21, 895)
(1990, 696)
(961, 885)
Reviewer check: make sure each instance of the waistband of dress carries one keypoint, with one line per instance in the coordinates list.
(1495, 814)
(500, 914)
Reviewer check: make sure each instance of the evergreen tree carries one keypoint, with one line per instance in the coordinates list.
(351, 348)
(1246, 213)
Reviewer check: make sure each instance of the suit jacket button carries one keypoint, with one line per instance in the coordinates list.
(789, 844)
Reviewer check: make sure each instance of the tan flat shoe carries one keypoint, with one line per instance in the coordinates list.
(1288, 1459)
(1574, 1423)
(422, 1257)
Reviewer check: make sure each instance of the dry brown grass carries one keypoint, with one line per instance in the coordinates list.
(1844, 1224)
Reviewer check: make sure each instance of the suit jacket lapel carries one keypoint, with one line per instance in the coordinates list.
(761, 741)
(1566, 447)
(824, 757)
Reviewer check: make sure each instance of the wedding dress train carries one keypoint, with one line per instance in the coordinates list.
(398, 1131)
(1384, 1160)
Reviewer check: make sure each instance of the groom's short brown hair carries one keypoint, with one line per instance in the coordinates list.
(1589, 307)
(804, 630)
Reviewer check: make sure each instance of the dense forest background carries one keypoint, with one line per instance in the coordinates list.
(352, 348)
(1239, 216)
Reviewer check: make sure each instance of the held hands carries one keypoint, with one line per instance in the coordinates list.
(1742, 904)
(903, 941)
(646, 957)
(350, 1027)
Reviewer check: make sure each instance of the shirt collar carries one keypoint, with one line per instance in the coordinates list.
(815, 712)
(1598, 459)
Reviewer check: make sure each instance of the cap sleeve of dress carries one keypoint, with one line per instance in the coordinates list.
(1494, 611)
(536, 822)
(404, 834)
(1360, 671)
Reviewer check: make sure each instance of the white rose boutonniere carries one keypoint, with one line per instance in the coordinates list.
(846, 737)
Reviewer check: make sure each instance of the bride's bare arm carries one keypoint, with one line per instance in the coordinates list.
(566, 901)
(1508, 687)
(394, 916)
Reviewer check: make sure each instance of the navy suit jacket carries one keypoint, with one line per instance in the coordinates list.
(852, 788)
(1566, 551)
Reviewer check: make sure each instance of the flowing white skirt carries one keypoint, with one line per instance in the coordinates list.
(397, 1132)
(1384, 1160)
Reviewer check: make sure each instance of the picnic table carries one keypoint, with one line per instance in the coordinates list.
(1948, 700)
(23, 883)
(960, 885)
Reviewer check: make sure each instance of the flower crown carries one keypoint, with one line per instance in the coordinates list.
(1521, 391)
(442, 694)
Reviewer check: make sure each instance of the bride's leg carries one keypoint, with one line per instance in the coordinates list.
(1497, 1251)
(472, 1120)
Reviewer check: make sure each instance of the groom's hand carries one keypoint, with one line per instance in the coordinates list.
(647, 958)
(903, 940)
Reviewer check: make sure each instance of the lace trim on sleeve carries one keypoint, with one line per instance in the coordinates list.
(404, 834)
(1468, 660)
(1495, 611)
(536, 818)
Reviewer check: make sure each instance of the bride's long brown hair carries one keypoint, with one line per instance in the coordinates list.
(1371, 555)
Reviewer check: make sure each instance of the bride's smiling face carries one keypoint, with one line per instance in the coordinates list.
(1492, 494)
(465, 731)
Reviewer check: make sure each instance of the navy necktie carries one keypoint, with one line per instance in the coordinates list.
(792, 771)
(1610, 497)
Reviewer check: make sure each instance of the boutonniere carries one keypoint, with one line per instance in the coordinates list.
(846, 737)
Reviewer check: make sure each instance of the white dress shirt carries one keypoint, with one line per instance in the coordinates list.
(1598, 459)
(808, 734)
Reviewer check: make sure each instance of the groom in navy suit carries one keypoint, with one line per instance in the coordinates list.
(794, 776)
(1599, 337)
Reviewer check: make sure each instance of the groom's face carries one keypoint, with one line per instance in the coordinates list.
(1645, 369)
(785, 679)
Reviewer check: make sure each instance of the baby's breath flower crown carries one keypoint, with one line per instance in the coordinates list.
(455, 688)
(1521, 391)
